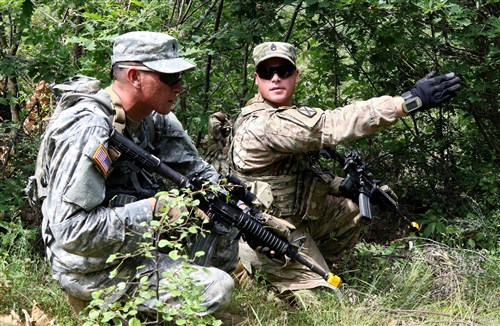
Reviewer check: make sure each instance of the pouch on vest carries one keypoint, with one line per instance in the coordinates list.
(314, 184)
(218, 141)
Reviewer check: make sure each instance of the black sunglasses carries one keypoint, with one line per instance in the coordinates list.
(169, 79)
(283, 71)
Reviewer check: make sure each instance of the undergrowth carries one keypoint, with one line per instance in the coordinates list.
(25, 276)
(410, 282)
(428, 283)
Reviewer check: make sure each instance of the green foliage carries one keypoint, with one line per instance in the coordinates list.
(166, 235)
(17, 164)
(443, 164)
(25, 276)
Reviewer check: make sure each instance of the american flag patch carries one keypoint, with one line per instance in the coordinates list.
(102, 159)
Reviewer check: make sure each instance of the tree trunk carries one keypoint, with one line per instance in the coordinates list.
(14, 107)
(206, 93)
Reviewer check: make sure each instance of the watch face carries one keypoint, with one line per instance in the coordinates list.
(412, 104)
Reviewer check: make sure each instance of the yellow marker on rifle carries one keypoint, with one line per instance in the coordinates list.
(334, 279)
(414, 227)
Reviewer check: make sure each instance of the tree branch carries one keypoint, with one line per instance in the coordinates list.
(292, 22)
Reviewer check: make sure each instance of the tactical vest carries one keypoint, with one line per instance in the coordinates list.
(299, 184)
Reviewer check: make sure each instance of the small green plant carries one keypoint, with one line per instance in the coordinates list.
(165, 235)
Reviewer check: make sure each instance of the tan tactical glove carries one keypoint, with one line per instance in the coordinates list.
(334, 184)
(167, 205)
(278, 225)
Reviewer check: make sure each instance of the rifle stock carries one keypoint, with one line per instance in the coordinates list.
(220, 208)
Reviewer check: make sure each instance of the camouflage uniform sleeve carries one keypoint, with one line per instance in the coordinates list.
(358, 120)
(288, 131)
(78, 229)
(177, 150)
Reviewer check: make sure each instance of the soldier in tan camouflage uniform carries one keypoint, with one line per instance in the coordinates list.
(94, 207)
(271, 139)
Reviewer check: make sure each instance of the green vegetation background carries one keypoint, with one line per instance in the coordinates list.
(443, 164)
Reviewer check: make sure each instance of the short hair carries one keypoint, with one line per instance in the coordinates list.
(115, 70)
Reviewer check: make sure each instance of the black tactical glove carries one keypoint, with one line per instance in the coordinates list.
(431, 92)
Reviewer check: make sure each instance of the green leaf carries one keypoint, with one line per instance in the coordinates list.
(429, 229)
(199, 253)
(174, 254)
(94, 314)
(163, 243)
(107, 316)
(113, 273)
(111, 258)
(134, 322)
(441, 228)
(27, 10)
(96, 294)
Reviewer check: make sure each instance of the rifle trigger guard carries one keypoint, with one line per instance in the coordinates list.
(301, 240)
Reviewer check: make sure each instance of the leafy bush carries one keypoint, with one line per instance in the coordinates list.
(167, 237)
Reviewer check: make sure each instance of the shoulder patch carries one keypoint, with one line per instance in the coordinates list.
(307, 111)
(102, 159)
(303, 115)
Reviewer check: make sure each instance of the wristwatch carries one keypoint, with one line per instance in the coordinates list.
(411, 103)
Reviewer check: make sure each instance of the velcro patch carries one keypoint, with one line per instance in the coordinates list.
(307, 111)
(102, 159)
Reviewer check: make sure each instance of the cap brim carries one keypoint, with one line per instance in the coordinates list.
(170, 66)
(275, 55)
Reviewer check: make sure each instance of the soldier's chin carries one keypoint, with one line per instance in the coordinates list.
(165, 110)
(279, 100)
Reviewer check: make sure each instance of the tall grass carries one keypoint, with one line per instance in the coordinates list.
(427, 284)
(25, 276)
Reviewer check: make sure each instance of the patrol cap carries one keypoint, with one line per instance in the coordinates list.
(269, 50)
(157, 51)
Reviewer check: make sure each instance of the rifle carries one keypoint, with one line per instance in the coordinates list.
(220, 207)
(360, 183)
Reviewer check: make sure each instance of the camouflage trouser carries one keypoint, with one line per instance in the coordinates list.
(218, 285)
(329, 237)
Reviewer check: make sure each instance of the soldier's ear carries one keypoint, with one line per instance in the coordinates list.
(255, 77)
(134, 77)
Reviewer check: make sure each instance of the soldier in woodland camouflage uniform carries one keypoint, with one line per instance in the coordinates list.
(93, 207)
(271, 139)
